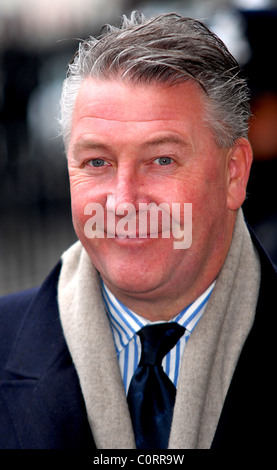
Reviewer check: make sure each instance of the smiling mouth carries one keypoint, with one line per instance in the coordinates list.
(138, 236)
(135, 237)
(133, 241)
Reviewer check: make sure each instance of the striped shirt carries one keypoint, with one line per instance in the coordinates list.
(125, 324)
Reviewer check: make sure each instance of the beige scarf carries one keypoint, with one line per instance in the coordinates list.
(209, 358)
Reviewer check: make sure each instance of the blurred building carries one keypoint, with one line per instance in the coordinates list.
(37, 40)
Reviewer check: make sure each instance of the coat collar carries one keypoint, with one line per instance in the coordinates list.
(40, 339)
(43, 398)
(249, 411)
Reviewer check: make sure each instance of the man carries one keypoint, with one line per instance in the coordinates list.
(154, 115)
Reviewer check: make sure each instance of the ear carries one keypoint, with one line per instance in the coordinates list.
(240, 159)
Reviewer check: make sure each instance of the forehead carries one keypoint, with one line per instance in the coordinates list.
(126, 102)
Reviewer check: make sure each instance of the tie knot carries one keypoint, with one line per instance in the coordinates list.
(157, 340)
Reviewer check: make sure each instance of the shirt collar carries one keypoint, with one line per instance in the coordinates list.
(125, 323)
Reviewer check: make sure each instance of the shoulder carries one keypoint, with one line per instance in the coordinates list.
(15, 306)
(268, 271)
(12, 310)
(16, 301)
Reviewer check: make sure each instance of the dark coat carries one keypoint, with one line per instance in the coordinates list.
(41, 404)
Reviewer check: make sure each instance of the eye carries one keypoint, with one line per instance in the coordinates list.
(163, 161)
(97, 162)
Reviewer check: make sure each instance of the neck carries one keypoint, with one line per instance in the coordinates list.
(162, 309)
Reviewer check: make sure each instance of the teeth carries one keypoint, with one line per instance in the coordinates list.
(130, 236)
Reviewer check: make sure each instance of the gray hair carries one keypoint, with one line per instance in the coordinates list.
(169, 49)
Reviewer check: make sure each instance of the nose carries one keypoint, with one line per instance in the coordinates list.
(126, 190)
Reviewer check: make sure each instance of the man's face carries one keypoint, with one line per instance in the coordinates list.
(142, 144)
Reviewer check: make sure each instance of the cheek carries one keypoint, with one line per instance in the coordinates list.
(78, 217)
(206, 191)
(81, 196)
(188, 188)
(79, 200)
(84, 191)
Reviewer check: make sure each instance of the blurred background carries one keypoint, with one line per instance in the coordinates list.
(37, 40)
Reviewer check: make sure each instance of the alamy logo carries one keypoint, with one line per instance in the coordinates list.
(150, 220)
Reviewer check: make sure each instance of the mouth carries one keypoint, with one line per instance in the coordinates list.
(134, 237)
(137, 240)
(133, 242)
(138, 235)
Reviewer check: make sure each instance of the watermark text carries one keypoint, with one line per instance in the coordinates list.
(148, 221)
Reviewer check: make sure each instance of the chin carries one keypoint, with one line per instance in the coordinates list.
(131, 284)
(135, 270)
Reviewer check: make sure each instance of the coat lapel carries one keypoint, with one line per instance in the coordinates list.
(248, 417)
(39, 374)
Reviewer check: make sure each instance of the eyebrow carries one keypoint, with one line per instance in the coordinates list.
(89, 145)
(176, 140)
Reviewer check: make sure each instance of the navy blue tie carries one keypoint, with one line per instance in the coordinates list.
(151, 395)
